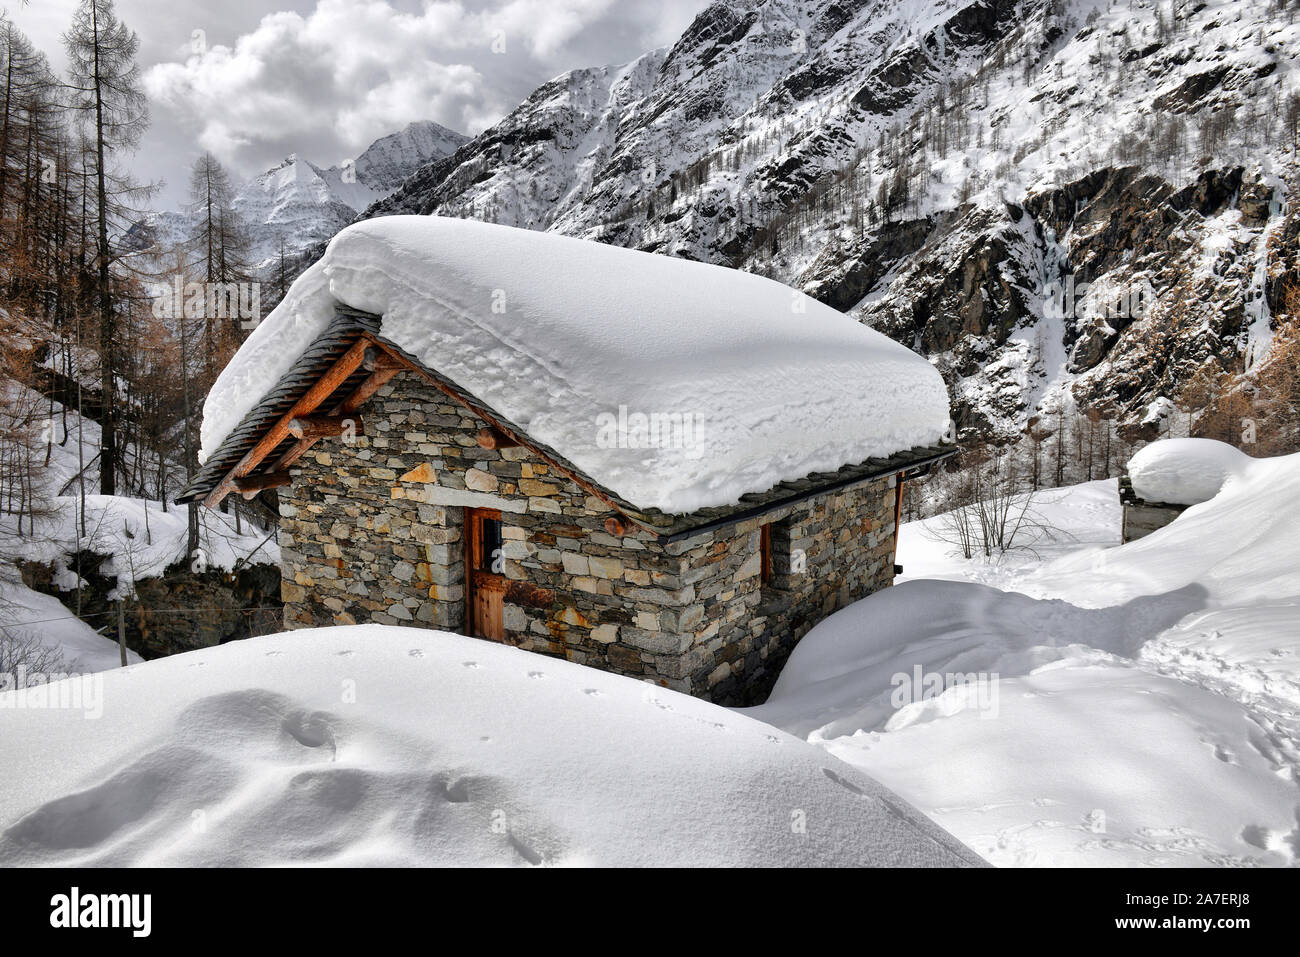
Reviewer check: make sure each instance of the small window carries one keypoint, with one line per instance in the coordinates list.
(780, 563)
(485, 541)
(765, 553)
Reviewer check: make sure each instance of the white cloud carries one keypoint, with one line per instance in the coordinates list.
(326, 81)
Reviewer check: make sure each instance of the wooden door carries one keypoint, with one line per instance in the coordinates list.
(485, 586)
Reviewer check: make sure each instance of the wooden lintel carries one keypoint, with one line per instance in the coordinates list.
(335, 376)
(491, 438)
(250, 485)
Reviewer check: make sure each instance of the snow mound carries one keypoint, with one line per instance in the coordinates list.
(1184, 471)
(567, 337)
(377, 745)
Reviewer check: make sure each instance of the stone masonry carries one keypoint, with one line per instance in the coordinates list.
(372, 531)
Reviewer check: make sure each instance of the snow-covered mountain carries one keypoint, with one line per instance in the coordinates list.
(302, 203)
(984, 180)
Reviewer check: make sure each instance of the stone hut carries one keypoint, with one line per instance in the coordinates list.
(423, 485)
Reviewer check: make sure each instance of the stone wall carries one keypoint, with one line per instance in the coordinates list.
(826, 553)
(1141, 518)
(373, 530)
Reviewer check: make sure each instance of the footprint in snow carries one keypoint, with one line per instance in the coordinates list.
(470, 664)
(274, 654)
(416, 653)
(593, 692)
(537, 675)
(347, 654)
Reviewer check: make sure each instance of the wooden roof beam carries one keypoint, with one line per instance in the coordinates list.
(325, 426)
(334, 377)
(490, 438)
(251, 485)
(383, 366)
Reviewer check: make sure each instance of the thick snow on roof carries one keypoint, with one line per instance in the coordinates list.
(1184, 471)
(455, 751)
(750, 382)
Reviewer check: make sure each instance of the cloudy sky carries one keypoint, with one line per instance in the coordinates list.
(255, 80)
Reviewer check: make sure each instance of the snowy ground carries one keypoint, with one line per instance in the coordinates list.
(1121, 705)
(140, 538)
(375, 745)
(31, 619)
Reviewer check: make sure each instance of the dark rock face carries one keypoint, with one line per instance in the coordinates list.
(842, 278)
(181, 611)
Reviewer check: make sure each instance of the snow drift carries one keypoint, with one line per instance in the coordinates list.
(559, 335)
(375, 745)
(1124, 706)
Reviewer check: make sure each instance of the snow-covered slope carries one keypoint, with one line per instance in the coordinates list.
(983, 180)
(85, 551)
(299, 203)
(47, 637)
(1117, 705)
(387, 161)
(374, 745)
(567, 339)
(135, 538)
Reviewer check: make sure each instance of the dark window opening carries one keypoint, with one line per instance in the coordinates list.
(765, 553)
(486, 539)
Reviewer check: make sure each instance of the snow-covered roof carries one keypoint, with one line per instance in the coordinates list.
(743, 383)
(1184, 471)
